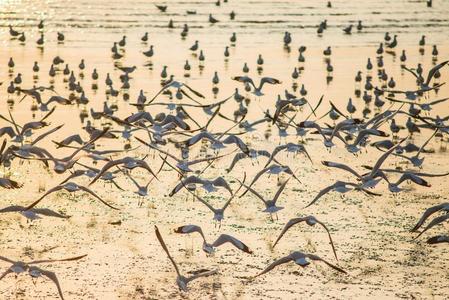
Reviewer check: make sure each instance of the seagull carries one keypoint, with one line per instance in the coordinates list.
(348, 29)
(18, 267)
(162, 8)
(424, 84)
(182, 164)
(309, 220)
(272, 169)
(257, 90)
(300, 259)
(208, 185)
(179, 87)
(33, 213)
(222, 239)
(270, 205)
(69, 187)
(212, 19)
(424, 106)
(128, 163)
(368, 180)
(341, 187)
(63, 164)
(219, 212)
(13, 32)
(290, 148)
(253, 154)
(181, 281)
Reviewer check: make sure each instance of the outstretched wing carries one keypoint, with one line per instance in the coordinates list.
(164, 246)
(225, 238)
(317, 258)
(287, 226)
(190, 229)
(96, 196)
(52, 276)
(276, 263)
(322, 193)
(434, 222)
(201, 274)
(430, 211)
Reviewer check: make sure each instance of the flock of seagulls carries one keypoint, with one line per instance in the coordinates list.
(189, 138)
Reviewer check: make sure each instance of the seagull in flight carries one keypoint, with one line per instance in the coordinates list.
(209, 248)
(311, 221)
(300, 259)
(181, 280)
(257, 90)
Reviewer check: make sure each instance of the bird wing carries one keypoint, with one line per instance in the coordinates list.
(49, 213)
(8, 271)
(430, 211)
(287, 226)
(322, 193)
(438, 101)
(87, 190)
(42, 136)
(269, 80)
(225, 238)
(220, 181)
(190, 229)
(340, 166)
(384, 156)
(414, 178)
(258, 175)
(164, 246)
(52, 276)
(275, 152)
(276, 263)
(252, 191)
(236, 192)
(9, 184)
(52, 190)
(184, 182)
(201, 274)
(12, 208)
(434, 70)
(7, 259)
(232, 139)
(7, 130)
(106, 167)
(279, 191)
(426, 142)
(236, 159)
(57, 260)
(330, 238)
(317, 258)
(198, 94)
(434, 222)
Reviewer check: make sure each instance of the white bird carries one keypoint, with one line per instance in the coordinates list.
(300, 259)
(209, 248)
(181, 280)
(257, 90)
